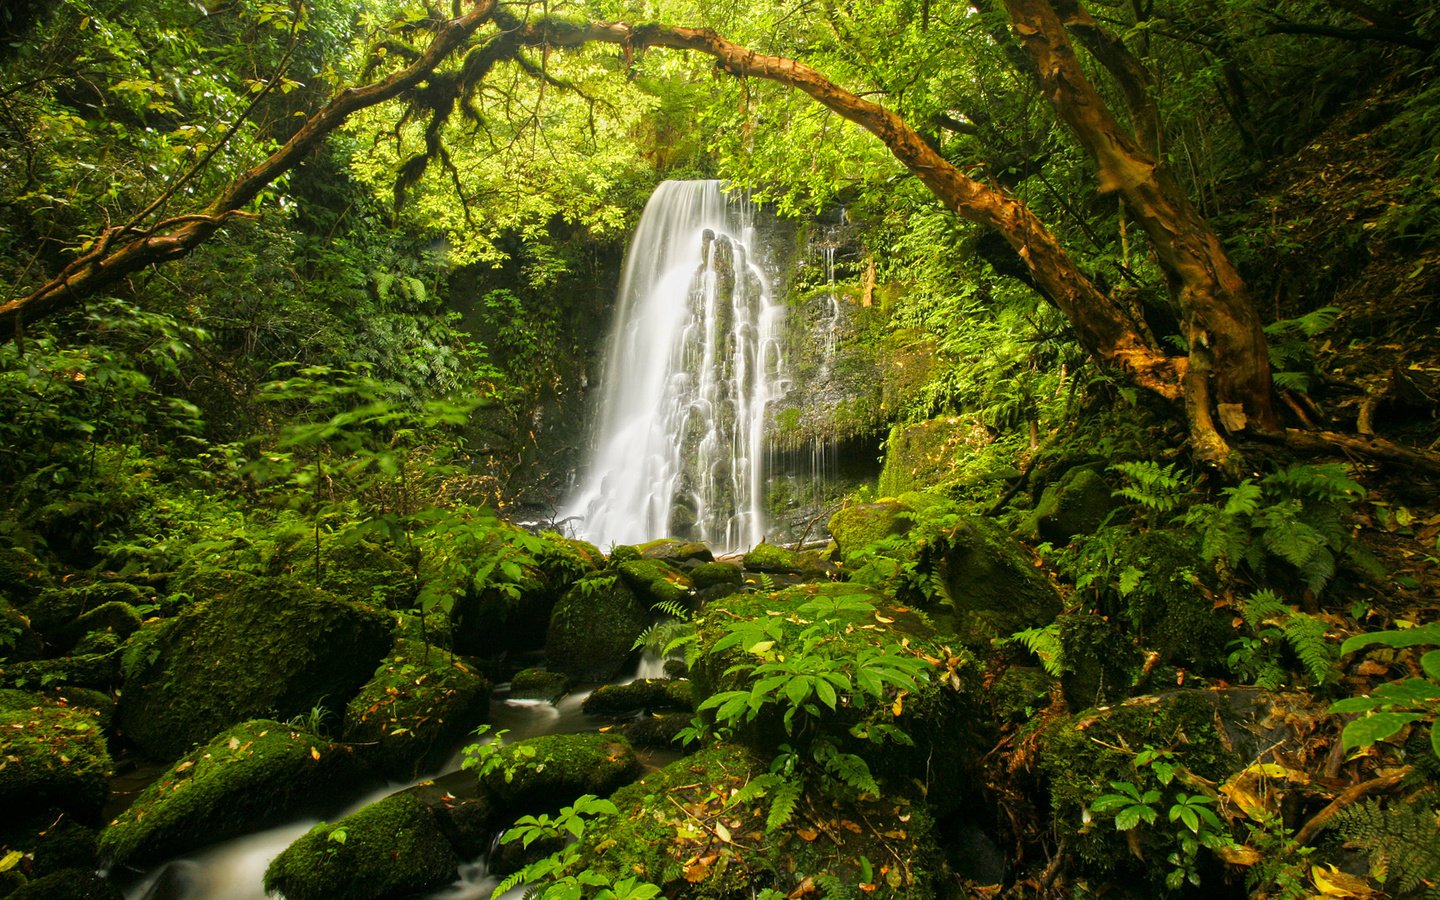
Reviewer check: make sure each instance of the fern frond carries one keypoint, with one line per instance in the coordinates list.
(672, 608)
(1402, 839)
(1153, 486)
(782, 804)
(1045, 644)
(1306, 636)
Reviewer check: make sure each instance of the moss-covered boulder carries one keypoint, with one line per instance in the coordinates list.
(55, 612)
(655, 581)
(53, 845)
(923, 455)
(414, 710)
(641, 694)
(1077, 503)
(255, 774)
(1212, 734)
(860, 633)
(715, 574)
(549, 771)
(1169, 611)
(51, 756)
(539, 684)
(100, 671)
(776, 560)
(594, 627)
(993, 585)
(856, 526)
(22, 575)
(392, 848)
(114, 617)
(68, 884)
(1100, 662)
(675, 552)
(18, 641)
(515, 617)
(272, 647)
(360, 570)
(681, 829)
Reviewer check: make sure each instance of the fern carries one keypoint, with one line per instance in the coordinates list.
(1045, 644)
(1402, 840)
(783, 800)
(1155, 487)
(1270, 617)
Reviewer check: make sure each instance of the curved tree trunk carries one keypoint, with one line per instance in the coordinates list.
(1229, 370)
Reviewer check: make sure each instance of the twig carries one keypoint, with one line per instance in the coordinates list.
(1320, 820)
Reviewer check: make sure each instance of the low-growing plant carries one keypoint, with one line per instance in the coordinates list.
(1391, 707)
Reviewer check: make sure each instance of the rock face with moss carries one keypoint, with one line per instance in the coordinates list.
(593, 628)
(392, 848)
(679, 828)
(780, 561)
(865, 523)
(1075, 504)
(641, 694)
(994, 587)
(419, 703)
(274, 646)
(656, 581)
(491, 621)
(51, 756)
(539, 684)
(249, 776)
(549, 771)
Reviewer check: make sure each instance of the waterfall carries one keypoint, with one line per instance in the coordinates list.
(693, 361)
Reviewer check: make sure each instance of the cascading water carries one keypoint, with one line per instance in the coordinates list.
(693, 362)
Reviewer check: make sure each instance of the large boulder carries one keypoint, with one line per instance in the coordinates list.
(593, 628)
(1076, 504)
(249, 776)
(414, 710)
(676, 552)
(993, 586)
(639, 695)
(547, 772)
(855, 527)
(695, 829)
(393, 848)
(51, 756)
(272, 647)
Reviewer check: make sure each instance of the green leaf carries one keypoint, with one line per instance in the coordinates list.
(1375, 727)
(1430, 662)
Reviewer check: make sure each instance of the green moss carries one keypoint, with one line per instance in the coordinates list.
(593, 628)
(1168, 610)
(249, 776)
(1017, 693)
(1076, 504)
(666, 832)
(54, 612)
(994, 587)
(925, 455)
(655, 581)
(419, 703)
(676, 552)
(18, 641)
(113, 617)
(68, 884)
(51, 756)
(539, 684)
(1080, 755)
(388, 849)
(97, 670)
(1100, 662)
(362, 571)
(641, 694)
(274, 647)
(856, 526)
(549, 771)
(624, 552)
(778, 560)
(22, 576)
(707, 575)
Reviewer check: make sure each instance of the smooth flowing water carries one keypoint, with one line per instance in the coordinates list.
(693, 361)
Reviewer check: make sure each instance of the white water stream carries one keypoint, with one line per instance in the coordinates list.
(692, 364)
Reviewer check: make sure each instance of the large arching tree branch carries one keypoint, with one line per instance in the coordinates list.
(121, 250)
(1101, 326)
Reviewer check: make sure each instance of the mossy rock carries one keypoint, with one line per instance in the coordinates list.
(657, 836)
(18, 641)
(656, 581)
(944, 711)
(1211, 733)
(392, 848)
(858, 526)
(55, 612)
(1100, 662)
(714, 574)
(51, 756)
(659, 730)
(68, 884)
(594, 627)
(624, 552)
(114, 617)
(539, 684)
(1018, 693)
(676, 552)
(641, 694)
(993, 585)
(22, 575)
(93, 670)
(362, 571)
(273, 647)
(773, 559)
(414, 710)
(1076, 504)
(549, 771)
(924, 455)
(433, 629)
(196, 581)
(1168, 610)
(250, 776)
(61, 845)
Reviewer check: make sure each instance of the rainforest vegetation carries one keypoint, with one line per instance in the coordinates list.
(1128, 585)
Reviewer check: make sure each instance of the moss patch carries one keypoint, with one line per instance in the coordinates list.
(708, 575)
(391, 848)
(416, 707)
(51, 756)
(593, 628)
(865, 523)
(641, 694)
(249, 776)
(273, 647)
(539, 684)
(655, 581)
(549, 771)
(778, 560)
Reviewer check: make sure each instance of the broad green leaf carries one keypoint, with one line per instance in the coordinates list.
(1374, 727)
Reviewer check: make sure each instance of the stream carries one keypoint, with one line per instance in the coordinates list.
(235, 869)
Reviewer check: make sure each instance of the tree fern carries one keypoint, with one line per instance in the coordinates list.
(1402, 840)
